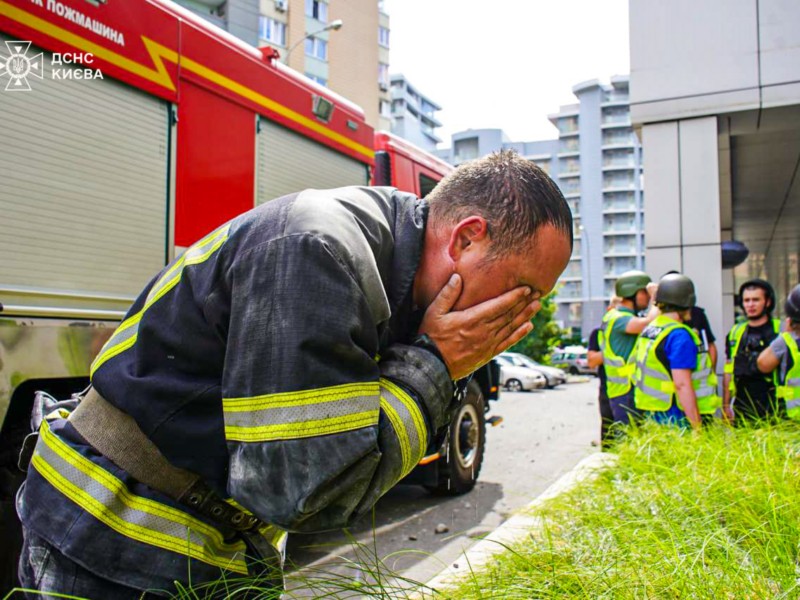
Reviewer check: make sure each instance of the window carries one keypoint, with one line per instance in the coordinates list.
(385, 108)
(317, 48)
(426, 185)
(383, 37)
(383, 75)
(272, 30)
(317, 9)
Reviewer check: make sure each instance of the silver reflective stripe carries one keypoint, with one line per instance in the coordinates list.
(614, 361)
(793, 403)
(322, 409)
(126, 334)
(622, 380)
(654, 373)
(306, 413)
(407, 422)
(704, 391)
(110, 501)
(701, 374)
(657, 394)
(794, 382)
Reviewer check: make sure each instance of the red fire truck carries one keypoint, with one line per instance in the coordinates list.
(130, 130)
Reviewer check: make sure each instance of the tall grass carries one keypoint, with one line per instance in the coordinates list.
(682, 515)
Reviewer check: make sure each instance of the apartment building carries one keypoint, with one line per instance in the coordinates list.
(600, 174)
(597, 163)
(413, 114)
(340, 44)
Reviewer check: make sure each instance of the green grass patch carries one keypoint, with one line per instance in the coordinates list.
(712, 515)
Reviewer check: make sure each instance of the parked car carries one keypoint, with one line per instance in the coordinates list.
(573, 359)
(553, 375)
(520, 379)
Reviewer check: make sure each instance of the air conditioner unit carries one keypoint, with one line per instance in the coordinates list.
(281, 5)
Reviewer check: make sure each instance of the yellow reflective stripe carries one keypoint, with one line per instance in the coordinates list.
(401, 433)
(407, 423)
(310, 428)
(209, 548)
(305, 413)
(196, 254)
(122, 339)
(413, 409)
(300, 398)
(728, 368)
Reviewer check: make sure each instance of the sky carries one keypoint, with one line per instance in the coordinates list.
(505, 64)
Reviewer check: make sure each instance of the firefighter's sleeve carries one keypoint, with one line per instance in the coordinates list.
(318, 426)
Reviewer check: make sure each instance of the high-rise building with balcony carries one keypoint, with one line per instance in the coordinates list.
(600, 174)
(413, 114)
(352, 60)
(596, 162)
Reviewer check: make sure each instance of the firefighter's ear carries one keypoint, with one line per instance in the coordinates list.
(467, 234)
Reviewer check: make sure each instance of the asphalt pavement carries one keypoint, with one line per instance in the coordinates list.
(543, 435)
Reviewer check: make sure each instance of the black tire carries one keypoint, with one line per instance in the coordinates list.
(514, 385)
(573, 370)
(463, 456)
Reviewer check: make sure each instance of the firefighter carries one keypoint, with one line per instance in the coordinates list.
(783, 352)
(281, 375)
(621, 326)
(673, 377)
(748, 394)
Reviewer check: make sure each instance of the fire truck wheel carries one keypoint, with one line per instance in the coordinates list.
(463, 453)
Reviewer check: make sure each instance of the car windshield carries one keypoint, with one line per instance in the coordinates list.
(527, 361)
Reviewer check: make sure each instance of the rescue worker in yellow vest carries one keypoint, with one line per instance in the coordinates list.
(748, 394)
(673, 379)
(620, 327)
(783, 354)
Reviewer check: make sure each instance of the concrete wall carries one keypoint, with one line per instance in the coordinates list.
(683, 225)
(703, 57)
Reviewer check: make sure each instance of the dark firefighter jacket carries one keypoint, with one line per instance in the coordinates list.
(273, 359)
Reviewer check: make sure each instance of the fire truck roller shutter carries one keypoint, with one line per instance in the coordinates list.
(83, 189)
(289, 162)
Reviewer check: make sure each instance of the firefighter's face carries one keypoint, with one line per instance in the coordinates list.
(484, 277)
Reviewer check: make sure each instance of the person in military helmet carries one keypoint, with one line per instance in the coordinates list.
(748, 394)
(673, 379)
(620, 327)
(783, 358)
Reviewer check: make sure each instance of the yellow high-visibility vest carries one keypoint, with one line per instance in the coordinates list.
(788, 388)
(618, 370)
(652, 380)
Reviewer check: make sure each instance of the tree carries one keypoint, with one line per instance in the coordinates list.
(546, 333)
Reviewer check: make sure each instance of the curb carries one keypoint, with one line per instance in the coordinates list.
(518, 527)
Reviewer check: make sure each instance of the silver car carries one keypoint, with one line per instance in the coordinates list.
(553, 375)
(515, 378)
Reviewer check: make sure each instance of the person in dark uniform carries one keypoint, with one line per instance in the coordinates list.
(749, 394)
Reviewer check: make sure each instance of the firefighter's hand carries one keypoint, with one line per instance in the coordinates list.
(468, 339)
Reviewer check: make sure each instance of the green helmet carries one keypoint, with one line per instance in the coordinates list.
(676, 290)
(631, 282)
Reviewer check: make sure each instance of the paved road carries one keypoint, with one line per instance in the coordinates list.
(543, 435)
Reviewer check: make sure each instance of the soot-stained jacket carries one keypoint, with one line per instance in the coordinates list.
(272, 358)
